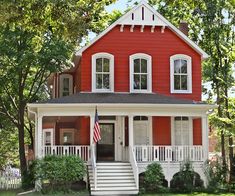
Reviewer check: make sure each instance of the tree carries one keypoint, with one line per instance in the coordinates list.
(212, 27)
(37, 38)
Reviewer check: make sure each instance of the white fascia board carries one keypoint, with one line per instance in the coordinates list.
(171, 26)
(121, 105)
(79, 52)
(178, 32)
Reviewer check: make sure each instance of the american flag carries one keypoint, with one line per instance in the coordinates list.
(96, 134)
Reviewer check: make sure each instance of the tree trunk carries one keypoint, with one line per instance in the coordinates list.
(23, 164)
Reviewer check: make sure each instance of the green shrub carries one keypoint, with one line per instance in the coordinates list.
(59, 172)
(216, 174)
(153, 178)
(186, 180)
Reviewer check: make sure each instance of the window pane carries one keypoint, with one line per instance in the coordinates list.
(176, 66)
(183, 82)
(144, 82)
(66, 84)
(137, 66)
(68, 138)
(99, 81)
(99, 65)
(136, 81)
(177, 82)
(143, 66)
(106, 81)
(106, 65)
(183, 66)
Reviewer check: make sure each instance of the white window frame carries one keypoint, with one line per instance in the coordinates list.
(173, 130)
(51, 131)
(66, 130)
(70, 77)
(189, 73)
(111, 71)
(149, 72)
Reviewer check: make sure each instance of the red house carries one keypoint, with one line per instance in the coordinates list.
(144, 76)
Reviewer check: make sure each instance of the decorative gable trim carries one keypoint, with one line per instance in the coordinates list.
(147, 13)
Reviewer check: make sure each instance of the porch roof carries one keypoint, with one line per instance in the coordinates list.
(119, 98)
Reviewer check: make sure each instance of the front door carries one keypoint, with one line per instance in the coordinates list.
(105, 147)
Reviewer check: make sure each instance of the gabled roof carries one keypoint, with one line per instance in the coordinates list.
(152, 18)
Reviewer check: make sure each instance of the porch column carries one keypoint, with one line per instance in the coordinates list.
(39, 138)
(205, 138)
(92, 119)
(130, 128)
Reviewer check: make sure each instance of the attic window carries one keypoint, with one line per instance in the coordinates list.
(132, 16)
(142, 13)
(153, 17)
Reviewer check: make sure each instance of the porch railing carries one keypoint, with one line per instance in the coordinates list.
(134, 166)
(81, 151)
(148, 153)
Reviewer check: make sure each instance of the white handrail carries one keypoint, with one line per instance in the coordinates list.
(78, 150)
(149, 153)
(134, 166)
(93, 164)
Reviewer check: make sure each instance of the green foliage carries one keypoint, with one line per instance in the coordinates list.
(59, 171)
(153, 178)
(186, 180)
(37, 38)
(216, 174)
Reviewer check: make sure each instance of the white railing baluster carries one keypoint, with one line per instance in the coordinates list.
(149, 153)
(77, 150)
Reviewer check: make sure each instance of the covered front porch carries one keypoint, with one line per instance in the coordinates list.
(153, 134)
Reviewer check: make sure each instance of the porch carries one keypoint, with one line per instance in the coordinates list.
(133, 135)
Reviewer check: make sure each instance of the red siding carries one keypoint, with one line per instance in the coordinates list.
(197, 132)
(159, 45)
(84, 132)
(161, 131)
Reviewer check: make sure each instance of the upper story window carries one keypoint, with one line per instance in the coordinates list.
(102, 72)
(140, 73)
(181, 73)
(66, 85)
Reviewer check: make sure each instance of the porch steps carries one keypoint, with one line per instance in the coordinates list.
(113, 178)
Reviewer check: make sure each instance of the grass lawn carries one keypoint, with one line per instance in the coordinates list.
(193, 194)
(85, 193)
(14, 193)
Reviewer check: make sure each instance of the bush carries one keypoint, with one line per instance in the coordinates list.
(186, 180)
(154, 178)
(216, 174)
(59, 172)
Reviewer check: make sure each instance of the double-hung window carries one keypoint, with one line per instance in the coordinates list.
(102, 72)
(140, 73)
(66, 85)
(181, 73)
(182, 134)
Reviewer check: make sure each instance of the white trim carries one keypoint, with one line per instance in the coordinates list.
(51, 131)
(62, 77)
(68, 130)
(164, 20)
(149, 72)
(189, 73)
(111, 71)
(173, 130)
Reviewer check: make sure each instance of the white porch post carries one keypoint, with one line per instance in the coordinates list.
(130, 128)
(39, 138)
(205, 138)
(92, 119)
